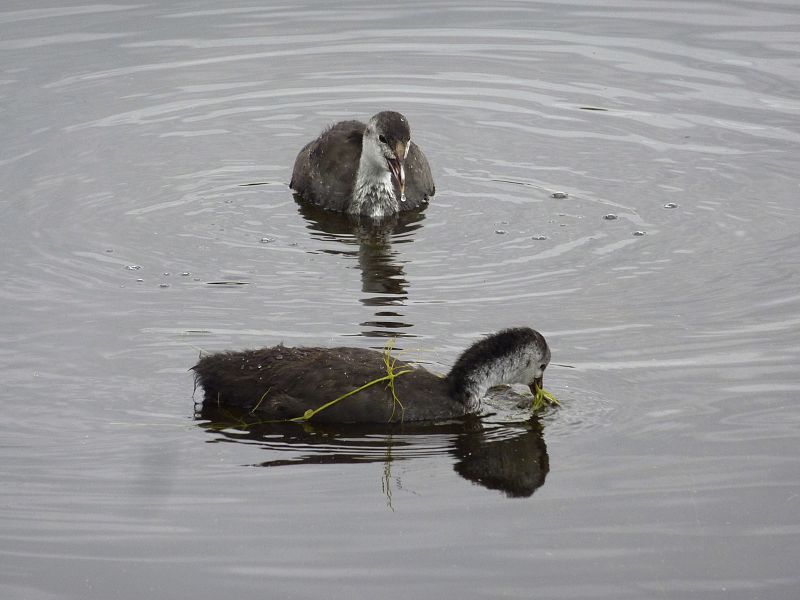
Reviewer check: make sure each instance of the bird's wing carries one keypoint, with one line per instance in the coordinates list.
(325, 169)
(419, 180)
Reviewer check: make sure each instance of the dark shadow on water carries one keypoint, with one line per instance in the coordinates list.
(509, 457)
(372, 243)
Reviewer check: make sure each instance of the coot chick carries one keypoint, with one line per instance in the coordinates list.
(281, 383)
(373, 169)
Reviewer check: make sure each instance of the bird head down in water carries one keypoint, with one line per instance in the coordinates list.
(335, 385)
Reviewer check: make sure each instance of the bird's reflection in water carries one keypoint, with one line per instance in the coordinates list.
(372, 244)
(509, 457)
(512, 459)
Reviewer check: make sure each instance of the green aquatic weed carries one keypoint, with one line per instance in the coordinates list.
(263, 397)
(389, 362)
(543, 398)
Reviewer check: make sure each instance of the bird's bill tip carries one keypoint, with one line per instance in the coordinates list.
(398, 171)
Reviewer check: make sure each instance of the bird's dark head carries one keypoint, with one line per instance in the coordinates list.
(388, 132)
(516, 355)
(520, 355)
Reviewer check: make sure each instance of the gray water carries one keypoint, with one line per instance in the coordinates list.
(132, 239)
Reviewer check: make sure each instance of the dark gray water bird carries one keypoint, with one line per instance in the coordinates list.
(280, 383)
(373, 169)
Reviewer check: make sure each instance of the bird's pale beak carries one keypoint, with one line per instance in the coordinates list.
(398, 171)
(537, 385)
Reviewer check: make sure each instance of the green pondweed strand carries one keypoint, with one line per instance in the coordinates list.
(543, 398)
(389, 361)
(263, 396)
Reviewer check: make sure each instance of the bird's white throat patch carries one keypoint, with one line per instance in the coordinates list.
(374, 194)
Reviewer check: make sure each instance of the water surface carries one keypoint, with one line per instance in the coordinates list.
(133, 239)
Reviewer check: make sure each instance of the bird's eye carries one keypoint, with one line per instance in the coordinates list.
(382, 138)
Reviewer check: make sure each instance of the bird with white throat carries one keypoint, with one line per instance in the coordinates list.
(371, 169)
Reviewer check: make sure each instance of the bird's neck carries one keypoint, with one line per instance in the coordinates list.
(374, 194)
(470, 382)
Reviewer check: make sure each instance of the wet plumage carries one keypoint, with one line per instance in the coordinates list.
(371, 169)
(283, 383)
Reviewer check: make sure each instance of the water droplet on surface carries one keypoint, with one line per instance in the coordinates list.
(670, 205)
(610, 217)
(133, 267)
(559, 195)
(638, 233)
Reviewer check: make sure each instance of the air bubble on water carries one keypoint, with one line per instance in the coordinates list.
(610, 217)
